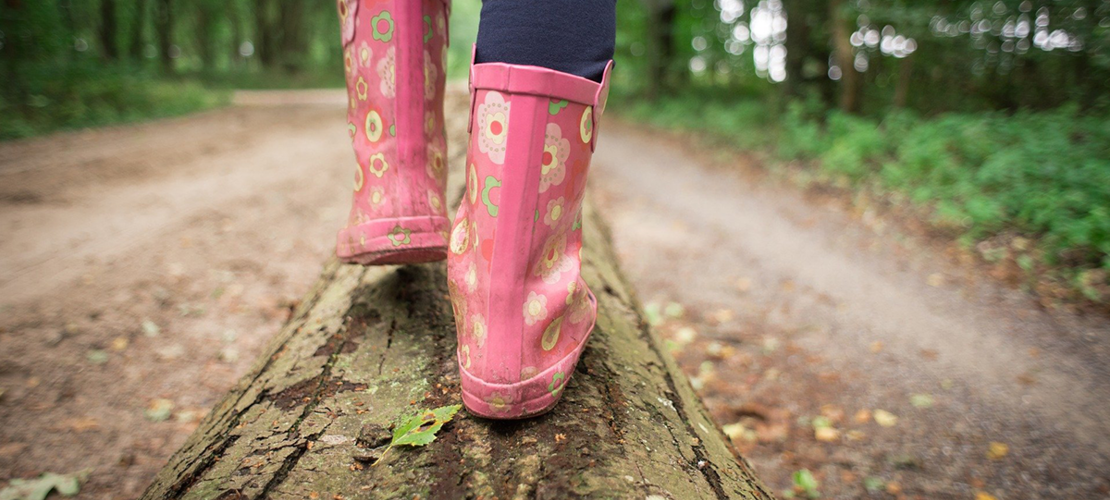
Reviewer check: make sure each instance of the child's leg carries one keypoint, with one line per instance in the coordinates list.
(571, 36)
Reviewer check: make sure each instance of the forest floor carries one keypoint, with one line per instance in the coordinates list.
(144, 267)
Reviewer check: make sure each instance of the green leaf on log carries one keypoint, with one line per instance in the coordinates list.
(421, 429)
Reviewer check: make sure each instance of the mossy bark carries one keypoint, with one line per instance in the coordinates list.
(368, 346)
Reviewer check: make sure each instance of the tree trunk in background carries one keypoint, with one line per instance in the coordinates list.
(109, 39)
(291, 15)
(264, 36)
(370, 345)
(659, 46)
(841, 32)
(204, 36)
(797, 46)
(65, 9)
(233, 18)
(905, 76)
(163, 22)
(138, 23)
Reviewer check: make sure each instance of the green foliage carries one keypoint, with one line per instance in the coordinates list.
(57, 96)
(41, 487)
(420, 429)
(1039, 174)
(806, 483)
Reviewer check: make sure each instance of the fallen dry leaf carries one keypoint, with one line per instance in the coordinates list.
(120, 343)
(159, 410)
(734, 431)
(863, 416)
(826, 434)
(885, 418)
(876, 347)
(723, 315)
(79, 424)
(997, 450)
(984, 496)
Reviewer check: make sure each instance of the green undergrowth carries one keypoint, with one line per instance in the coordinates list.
(1028, 189)
(46, 98)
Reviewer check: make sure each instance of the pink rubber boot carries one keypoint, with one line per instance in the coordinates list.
(522, 311)
(395, 54)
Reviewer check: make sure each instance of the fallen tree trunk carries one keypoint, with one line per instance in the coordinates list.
(369, 346)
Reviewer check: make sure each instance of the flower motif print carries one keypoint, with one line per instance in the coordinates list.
(365, 53)
(555, 209)
(347, 14)
(493, 127)
(373, 126)
(472, 187)
(458, 305)
(579, 305)
(436, 168)
(528, 372)
(460, 237)
(378, 165)
(400, 236)
(360, 179)
(554, 162)
(551, 334)
(499, 402)
(464, 356)
(377, 196)
(387, 71)
(429, 123)
(361, 88)
(478, 329)
(383, 26)
(558, 380)
(471, 278)
(535, 308)
(586, 126)
(434, 201)
(553, 262)
(348, 62)
(430, 76)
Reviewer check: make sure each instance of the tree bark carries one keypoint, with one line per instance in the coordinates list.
(109, 39)
(138, 22)
(905, 77)
(841, 33)
(204, 21)
(264, 33)
(659, 28)
(370, 345)
(164, 22)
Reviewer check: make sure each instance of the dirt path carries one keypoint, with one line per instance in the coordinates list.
(206, 227)
(823, 312)
(153, 262)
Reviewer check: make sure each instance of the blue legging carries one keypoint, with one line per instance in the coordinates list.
(572, 36)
